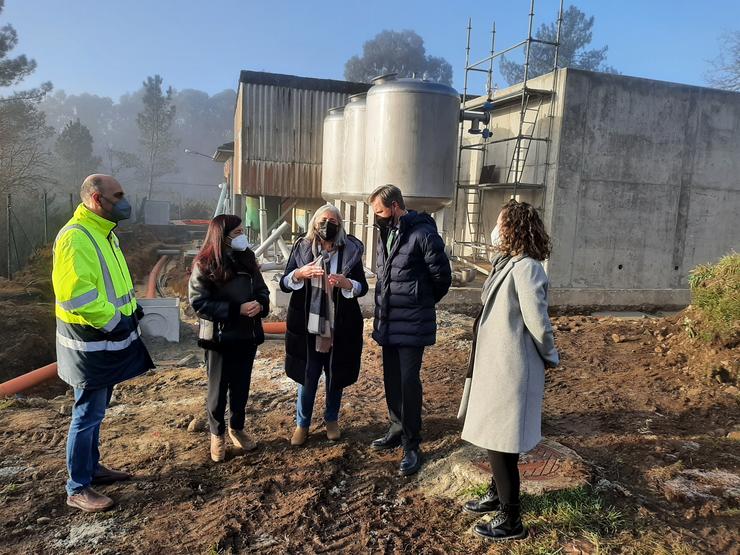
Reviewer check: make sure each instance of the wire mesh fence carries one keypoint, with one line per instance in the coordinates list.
(29, 221)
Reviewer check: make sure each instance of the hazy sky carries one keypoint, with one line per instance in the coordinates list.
(109, 47)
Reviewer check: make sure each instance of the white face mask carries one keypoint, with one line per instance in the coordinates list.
(495, 237)
(240, 243)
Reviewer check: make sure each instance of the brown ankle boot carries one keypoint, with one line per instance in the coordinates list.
(242, 440)
(90, 501)
(300, 435)
(218, 448)
(332, 431)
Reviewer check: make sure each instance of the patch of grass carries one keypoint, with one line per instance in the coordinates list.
(575, 511)
(6, 404)
(475, 491)
(715, 293)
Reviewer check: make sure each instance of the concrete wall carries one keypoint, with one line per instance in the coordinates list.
(648, 185)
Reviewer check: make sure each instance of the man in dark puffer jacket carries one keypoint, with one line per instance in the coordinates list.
(413, 274)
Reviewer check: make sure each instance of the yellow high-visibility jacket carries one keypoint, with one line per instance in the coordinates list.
(98, 339)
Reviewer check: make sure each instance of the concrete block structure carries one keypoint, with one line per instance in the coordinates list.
(639, 184)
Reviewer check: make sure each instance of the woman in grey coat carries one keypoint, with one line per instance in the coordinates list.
(502, 402)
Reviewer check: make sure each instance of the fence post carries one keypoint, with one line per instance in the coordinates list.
(46, 219)
(7, 232)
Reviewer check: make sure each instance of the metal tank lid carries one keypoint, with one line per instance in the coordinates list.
(407, 85)
(335, 112)
(359, 97)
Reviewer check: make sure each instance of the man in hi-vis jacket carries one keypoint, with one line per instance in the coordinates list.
(97, 339)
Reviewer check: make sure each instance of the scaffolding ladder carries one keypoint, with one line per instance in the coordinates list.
(469, 240)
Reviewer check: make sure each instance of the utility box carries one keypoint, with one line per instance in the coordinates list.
(161, 318)
(157, 212)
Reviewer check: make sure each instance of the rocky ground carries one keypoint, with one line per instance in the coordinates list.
(653, 413)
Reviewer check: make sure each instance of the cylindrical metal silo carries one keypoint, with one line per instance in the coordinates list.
(353, 165)
(411, 141)
(332, 154)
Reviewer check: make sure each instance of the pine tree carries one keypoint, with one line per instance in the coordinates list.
(155, 131)
(74, 150)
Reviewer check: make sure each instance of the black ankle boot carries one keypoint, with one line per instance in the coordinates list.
(489, 503)
(507, 525)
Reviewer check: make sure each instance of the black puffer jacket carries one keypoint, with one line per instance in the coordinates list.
(220, 303)
(346, 354)
(412, 278)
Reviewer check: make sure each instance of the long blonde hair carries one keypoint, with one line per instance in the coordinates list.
(311, 234)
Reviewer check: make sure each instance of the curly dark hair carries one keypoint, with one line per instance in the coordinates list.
(522, 231)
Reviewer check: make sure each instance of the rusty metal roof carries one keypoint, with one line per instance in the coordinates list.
(281, 131)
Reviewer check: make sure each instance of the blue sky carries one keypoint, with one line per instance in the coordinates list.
(108, 48)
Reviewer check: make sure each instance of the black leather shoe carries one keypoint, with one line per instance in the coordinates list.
(507, 525)
(388, 441)
(411, 462)
(489, 503)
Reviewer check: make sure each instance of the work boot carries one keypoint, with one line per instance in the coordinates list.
(332, 431)
(300, 435)
(488, 503)
(411, 462)
(90, 501)
(105, 475)
(218, 448)
(388, 441)
(242, 440)
(506, 525)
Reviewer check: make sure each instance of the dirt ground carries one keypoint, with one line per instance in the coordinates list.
(642, 404)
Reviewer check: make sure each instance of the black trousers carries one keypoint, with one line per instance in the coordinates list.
(229, 372)
(506, 475)
(403, 392)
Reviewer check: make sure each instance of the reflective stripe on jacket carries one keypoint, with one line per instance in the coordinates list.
(98, 341)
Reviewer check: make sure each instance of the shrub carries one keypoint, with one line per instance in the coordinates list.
(715, 296)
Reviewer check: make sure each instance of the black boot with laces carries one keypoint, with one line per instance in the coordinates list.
(489, 503)
(507, 525)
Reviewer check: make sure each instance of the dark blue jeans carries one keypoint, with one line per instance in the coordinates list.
(317, 363)
(84, 435)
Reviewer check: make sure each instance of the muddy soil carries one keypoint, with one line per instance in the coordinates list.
(637, 400)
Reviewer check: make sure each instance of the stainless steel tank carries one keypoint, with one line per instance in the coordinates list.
(353, 165)
(411, 140)
(332, 154)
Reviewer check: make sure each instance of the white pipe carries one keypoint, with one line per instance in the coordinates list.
(221, 200)
(282, 228)
(284, 249)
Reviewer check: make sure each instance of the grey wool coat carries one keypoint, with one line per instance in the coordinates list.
(502, 403)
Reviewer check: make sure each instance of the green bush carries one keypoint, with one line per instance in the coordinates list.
(715, 295)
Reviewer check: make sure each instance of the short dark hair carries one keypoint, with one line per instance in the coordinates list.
(388, 194)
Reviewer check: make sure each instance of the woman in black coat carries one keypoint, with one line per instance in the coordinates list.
(325, 277)
(227, 292)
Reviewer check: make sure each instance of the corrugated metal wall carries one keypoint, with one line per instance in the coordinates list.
(281, 134)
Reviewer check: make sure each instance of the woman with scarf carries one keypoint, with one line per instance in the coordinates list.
(325, 277)
(512, 346)
(227, 292)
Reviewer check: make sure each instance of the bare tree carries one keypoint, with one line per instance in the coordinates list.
(23, 129)
(725, 68)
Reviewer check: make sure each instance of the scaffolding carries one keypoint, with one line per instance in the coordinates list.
(470, 241)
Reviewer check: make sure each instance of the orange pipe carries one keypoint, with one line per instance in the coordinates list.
(151, 286)
(274, 327)
(26, 381)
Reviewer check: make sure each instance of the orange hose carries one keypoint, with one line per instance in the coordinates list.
(151, 286)
(26, 381)
(274, 327)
